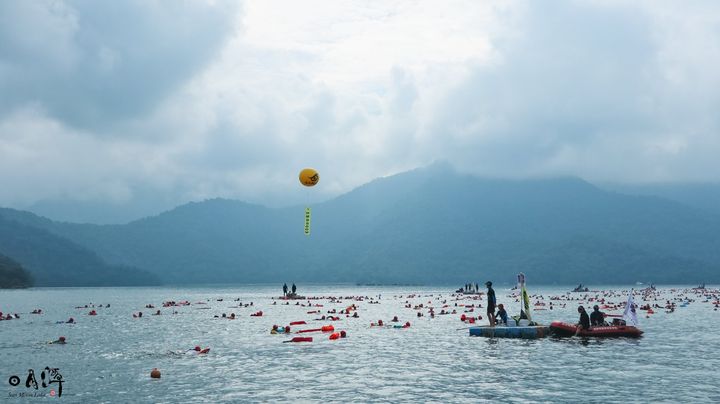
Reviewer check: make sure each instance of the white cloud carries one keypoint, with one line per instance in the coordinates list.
(606, 90)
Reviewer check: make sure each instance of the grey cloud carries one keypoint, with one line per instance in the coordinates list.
(583, 82)
(602, 90)
(92, 64)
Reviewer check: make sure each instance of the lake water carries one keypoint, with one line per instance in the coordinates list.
(108, 357)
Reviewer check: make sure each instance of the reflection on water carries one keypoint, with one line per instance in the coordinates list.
(108, 357)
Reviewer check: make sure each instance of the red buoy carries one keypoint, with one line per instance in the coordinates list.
(300, 339)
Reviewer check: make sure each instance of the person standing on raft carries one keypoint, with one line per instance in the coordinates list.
(294, 289)
(490, 303)
(284, 289)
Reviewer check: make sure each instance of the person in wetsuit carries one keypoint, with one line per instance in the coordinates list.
(501, 316)
(584, 323)
(597, 317)
(490, 303)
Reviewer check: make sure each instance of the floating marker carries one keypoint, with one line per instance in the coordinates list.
(309, 177)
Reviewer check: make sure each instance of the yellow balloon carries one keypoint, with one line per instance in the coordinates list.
(309, 177)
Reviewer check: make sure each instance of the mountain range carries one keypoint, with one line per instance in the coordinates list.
(13, 275)
(431, 225)
(53, 260)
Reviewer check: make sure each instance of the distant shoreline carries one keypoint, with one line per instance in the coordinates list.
(451, 287)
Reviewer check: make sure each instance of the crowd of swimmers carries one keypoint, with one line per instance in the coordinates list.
(469, 288)
(91, 306)
(395, 319)
(497, 314)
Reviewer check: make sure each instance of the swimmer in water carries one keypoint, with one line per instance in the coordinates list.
(197, 350)
(60, 340)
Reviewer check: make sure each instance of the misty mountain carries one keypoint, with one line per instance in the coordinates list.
(430, 225)
(705, 196)
(12, 274)
(143, 204)
(56, 261)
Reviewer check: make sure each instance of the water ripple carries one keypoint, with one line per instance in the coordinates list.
(109, 356)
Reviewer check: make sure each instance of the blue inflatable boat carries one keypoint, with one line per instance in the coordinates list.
(526, 332)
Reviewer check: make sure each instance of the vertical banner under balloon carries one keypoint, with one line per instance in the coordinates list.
(307, 221)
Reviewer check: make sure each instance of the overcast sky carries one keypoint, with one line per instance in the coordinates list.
(132, 102)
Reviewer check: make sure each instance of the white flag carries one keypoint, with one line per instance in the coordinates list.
(524, 298)
(630, 316)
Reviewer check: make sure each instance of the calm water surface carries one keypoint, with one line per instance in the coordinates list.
(108, 357)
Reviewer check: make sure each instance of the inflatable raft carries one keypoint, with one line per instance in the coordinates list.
(525, 332)
(562, 329)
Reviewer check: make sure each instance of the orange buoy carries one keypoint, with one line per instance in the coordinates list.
(335, 335)
(155, 373)
(327, 328)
